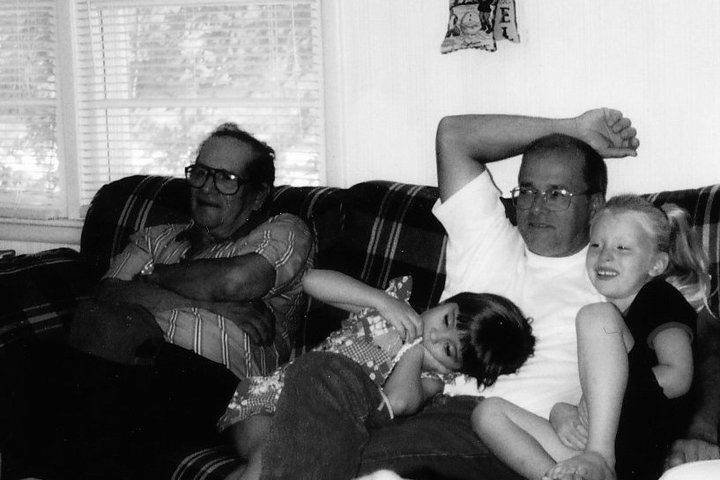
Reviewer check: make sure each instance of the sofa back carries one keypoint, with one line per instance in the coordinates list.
(373, 231)
(703, 204)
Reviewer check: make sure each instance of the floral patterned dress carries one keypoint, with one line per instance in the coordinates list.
(365, 337)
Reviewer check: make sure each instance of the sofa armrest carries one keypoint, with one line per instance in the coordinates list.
(38, 297)
(39, 294)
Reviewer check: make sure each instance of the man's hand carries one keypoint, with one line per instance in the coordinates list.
(608, 132)
(567, 422)
(254, 318)
(687, 450)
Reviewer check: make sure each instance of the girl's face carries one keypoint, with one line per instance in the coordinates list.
(622, 256)
(440, 336)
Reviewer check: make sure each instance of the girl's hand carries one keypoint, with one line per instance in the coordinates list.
(567, 422)
(401, 316)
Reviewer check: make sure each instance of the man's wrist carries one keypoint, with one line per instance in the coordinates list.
(567, 126)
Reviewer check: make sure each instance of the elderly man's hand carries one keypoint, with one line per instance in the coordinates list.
(254, 318)
(608, 132)
(687, 450)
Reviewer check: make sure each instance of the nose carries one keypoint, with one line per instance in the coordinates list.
(538, 202)
(606, 254)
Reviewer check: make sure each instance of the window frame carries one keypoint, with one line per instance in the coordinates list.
(67, 231)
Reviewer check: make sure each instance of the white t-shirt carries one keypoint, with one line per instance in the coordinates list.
(485, 253)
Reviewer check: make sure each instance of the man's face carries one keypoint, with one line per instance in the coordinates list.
(223, 214)
(555, 233)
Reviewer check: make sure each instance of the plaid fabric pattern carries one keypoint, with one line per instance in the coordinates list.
(703, 204)
(125, 206)
(39, 294)
(391, 232)
(209, 464)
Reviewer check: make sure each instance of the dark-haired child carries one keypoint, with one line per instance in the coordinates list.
(483, 335)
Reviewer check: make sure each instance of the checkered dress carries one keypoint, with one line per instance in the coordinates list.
(365, 337)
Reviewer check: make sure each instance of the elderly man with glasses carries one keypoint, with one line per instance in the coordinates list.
(224, 291)
(226, 284)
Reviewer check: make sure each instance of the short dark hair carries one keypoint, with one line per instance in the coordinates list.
(261, 169)
(496, 337)
(594, 168)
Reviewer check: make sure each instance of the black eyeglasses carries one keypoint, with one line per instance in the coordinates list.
(556, 199)
(226, 182)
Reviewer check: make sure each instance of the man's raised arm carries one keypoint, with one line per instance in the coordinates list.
(465, 143)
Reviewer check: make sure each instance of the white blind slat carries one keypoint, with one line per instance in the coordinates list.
(30, 184)
(151, 79)
(154, 78)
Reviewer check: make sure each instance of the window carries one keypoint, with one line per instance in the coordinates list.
(147, 81)
(29, 168)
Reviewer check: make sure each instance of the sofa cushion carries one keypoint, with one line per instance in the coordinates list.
(321, 207)
(39, 293)
(703, 204)
(125, 206)
(390, 231)
(214, 463)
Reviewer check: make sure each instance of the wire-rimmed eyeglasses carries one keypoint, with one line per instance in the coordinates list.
(555, 199)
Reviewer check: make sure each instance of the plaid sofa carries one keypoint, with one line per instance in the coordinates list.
(372, 231)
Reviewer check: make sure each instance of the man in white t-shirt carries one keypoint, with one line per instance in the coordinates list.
(540, 264)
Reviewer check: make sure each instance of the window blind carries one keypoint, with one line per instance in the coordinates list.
(154, 77)
(147, 80)
(30, 180)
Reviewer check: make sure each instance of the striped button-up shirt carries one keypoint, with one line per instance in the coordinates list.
(284, 241)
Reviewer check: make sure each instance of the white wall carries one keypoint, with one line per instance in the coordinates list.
(388, 85)
(656, 60)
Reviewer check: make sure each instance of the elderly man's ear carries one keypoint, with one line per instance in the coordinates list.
(262, 195)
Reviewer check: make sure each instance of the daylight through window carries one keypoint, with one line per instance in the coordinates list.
(150, 79)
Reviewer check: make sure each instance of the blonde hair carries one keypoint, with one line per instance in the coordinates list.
(673, 233)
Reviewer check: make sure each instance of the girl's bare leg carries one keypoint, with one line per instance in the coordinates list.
(603, 343)
(524, 441)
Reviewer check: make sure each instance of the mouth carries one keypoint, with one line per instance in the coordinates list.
(206, 203)
(539, 225)
(606, 273)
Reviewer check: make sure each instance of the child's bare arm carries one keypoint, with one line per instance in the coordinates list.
(405, 389)
(674, 370)
(343, 291)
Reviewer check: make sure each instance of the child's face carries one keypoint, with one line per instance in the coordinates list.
(440, 336)
(622, 256)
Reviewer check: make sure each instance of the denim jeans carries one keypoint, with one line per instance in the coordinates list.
(327, 426)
